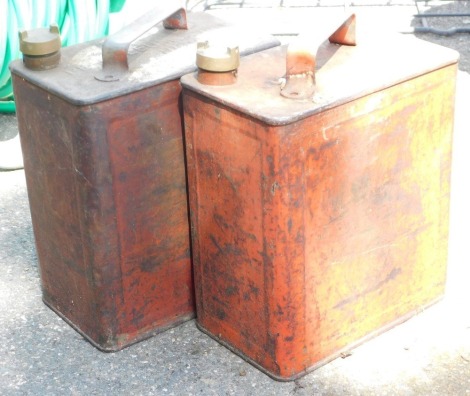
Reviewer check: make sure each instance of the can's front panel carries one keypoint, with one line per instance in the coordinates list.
(107, 189)
(310, 237)
(228, 204)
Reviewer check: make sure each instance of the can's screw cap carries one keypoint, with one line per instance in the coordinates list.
(216, 57)
(41, 41)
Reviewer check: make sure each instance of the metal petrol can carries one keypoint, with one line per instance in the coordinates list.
(102, 141)
(319, 196)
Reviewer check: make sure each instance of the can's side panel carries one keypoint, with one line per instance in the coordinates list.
(227, 217)
(63, 177)
(376, 209)
(310, 237)
(107, 191)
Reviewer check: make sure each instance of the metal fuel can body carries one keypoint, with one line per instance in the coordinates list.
(106, 179)
(319, 223)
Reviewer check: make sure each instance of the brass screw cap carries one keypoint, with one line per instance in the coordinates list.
(217, 58)
(40, 47)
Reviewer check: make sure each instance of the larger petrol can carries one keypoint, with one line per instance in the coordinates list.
(102, 141)
(319, 197)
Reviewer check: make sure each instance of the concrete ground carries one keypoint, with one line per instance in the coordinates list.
(428, 355)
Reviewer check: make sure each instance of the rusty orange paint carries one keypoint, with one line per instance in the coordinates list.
(300, 61)
(312, 235)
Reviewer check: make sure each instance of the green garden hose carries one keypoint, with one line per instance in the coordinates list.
(78, 21)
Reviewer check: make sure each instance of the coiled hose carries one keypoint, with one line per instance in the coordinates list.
(78, 21)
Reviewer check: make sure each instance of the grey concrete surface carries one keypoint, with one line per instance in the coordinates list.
(41, 355)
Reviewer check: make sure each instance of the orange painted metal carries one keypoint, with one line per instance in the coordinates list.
(105, 171)
(317, 224)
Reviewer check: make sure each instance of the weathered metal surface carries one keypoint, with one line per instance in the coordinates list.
(104, 165)
(316, 226)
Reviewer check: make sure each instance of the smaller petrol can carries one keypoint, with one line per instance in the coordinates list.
(319, 196)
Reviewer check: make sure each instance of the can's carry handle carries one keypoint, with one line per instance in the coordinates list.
(115, 47)
(301, 57)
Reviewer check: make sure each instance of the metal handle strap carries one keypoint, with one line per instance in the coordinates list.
(115, 47)
(301, 57)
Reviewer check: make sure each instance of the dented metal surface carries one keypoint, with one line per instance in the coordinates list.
(105, 171)
(317, 224)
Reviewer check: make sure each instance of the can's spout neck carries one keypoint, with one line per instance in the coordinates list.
(301, 56)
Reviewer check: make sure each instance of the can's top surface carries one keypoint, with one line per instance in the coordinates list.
(160, 55)
(343, 74)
